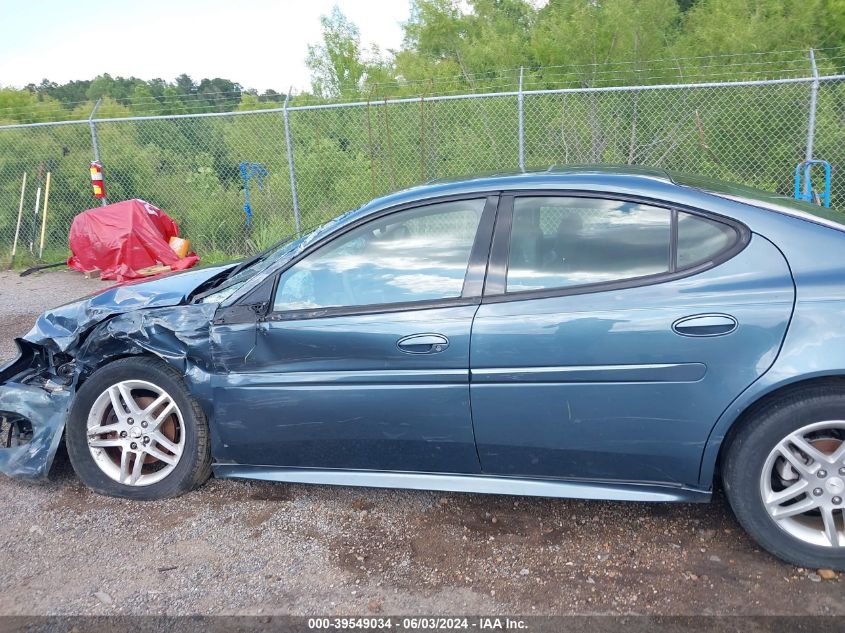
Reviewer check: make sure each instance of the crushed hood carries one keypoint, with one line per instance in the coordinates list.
(60, 329)
(136, 318)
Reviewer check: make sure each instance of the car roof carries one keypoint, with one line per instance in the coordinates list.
(619, 178)
(563, 170)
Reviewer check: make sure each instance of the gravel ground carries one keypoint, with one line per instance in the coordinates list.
(236, 547)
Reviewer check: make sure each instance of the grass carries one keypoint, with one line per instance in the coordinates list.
(24, 259)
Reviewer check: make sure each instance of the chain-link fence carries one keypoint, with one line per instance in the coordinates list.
(323, 159)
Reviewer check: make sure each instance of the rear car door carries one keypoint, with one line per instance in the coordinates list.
(614, 332)
(363, 360)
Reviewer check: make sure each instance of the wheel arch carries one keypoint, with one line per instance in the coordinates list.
(737, 418)
(95, 364)
(180, 343)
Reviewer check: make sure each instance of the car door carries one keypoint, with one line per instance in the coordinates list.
(362, 361)
(614, 332)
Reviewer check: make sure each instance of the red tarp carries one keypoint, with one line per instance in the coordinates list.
(122, 238)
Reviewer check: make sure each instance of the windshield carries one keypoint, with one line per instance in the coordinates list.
(262, 261)
(267, 258)
(251, 266)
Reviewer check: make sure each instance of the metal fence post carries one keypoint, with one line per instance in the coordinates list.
(448, 128)
(94, 142)
(521, 112)
(811, 123)
(293, 193)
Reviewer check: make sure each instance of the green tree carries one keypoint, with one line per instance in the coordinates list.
(142, 102)
(714, 27)
(605, 42)
(441, 40)
(171, 101)
(220, 95)
(832, 27)
(185, 85)
(336, 63)
(25, 106)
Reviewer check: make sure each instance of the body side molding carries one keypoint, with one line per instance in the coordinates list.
(660, 372)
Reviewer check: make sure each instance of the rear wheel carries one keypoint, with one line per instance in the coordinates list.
(135, 431)
(784, 475)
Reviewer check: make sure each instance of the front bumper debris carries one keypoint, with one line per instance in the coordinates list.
(33, 421)
(67, 344)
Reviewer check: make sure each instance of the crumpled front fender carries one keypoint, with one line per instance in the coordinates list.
(45, 412)
(70, 342)
(179, 335)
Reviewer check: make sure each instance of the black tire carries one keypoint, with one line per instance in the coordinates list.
(745, 457)
(194, 466)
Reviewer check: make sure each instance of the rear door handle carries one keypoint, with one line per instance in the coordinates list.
(705, 325)
(423, 343)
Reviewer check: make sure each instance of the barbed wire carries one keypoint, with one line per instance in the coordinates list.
(129, 101)
(744, 131)
(739, 65)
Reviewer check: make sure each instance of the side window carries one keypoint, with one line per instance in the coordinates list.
(414, 255)
(701, 239)
(558, 242)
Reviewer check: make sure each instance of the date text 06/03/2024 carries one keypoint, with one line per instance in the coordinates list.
(422, 623)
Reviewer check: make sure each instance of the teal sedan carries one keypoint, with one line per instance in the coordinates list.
(596, 333)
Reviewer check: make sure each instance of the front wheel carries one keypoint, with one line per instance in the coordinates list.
(135, 431)
(784, 475)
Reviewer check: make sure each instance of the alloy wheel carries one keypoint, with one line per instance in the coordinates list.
(136, 433)
(803, 483)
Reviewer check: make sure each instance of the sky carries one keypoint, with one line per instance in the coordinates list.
(259, 43)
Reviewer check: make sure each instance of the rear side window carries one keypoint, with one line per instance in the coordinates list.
(701, 239)
(557, 242)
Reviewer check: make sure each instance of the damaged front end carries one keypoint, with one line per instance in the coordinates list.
(35, 395)
(69, 343)
(169, 317)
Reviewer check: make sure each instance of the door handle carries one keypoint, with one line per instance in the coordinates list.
(705, 325)
(423, 344)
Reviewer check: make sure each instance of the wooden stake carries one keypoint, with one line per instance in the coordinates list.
(44, 216)
(33, 233)
(35, 225)
(20, 215)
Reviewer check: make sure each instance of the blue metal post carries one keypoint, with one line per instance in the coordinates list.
(804, 169)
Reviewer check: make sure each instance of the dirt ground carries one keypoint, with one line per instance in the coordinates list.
(236, 547)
